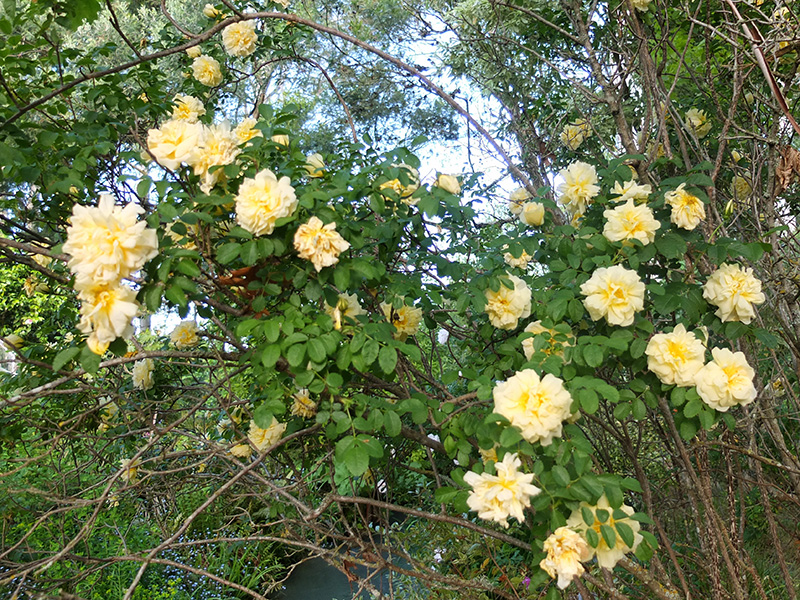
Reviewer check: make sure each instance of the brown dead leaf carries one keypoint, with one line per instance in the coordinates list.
(788, 169)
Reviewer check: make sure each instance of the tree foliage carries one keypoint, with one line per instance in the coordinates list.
(364, 404)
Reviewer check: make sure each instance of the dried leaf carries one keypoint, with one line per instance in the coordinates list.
(788, 169)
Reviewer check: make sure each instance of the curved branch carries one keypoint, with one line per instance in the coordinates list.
(427, 83)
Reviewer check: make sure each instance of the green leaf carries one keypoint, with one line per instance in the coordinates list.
(228, 252)
(418, 410)
(64, 357)
(560, 475)
(272, 330)
(353, 455)
(588, 400)
(614, 495)
(249, 253)
(688, 429)
(609, 535)
(638, 346)
(693, 408)
(295, 354)
(625, 532)
(591, 537)
(316, 350)
(671, 245)
(270, 356)
(176, 295)
(510, 437)
(392, 424)
(387, 359)
(553, 593)
(10, 8)
(90, 362)
(370, 351)
(263, 415)
(593, 355)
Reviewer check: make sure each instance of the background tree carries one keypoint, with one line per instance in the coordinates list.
(354, 395)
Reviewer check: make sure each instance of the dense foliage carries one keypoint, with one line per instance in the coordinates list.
(244, 333)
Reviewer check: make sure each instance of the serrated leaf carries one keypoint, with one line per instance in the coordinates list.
(316, 350)
(609, 535)
(387, 359)
(692, 409)
(228, 252)
(295, 354)
(392, 424)
(560, 475)
(270, 356)
(592, 537)
(625, 532)
(593, 355)
(370, 351)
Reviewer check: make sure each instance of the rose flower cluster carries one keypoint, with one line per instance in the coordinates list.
(107, 243)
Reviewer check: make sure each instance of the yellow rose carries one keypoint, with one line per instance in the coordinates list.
(207, 71)
(303, 405)
(630, 190)
(240, 38)
(210, 12)
(537, 407)
(734, 291)
(264, 438)
(675, 357)
(241, 451)
(578, 188)
(615, 293)
(246, 131)
(630, 221)
(507, 306)
(517, 198)
(130, 469)
(321, 244)
(520, 262)
(187, 108)
(315, 165)
(283, 140)
(532, 213)
(573, 135)
(404, 191)
(726, 381)
(565, 549)
(697, 122)
(263, 200)
(217, 146)
(603, 515)
(142, 374)
(173, 142)
(498, 497)
(641, 5)
(106, 314)
(184, 335)
(405, 319)
(687, 210)
(741, 189)
(194, 51)
(449, 183)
